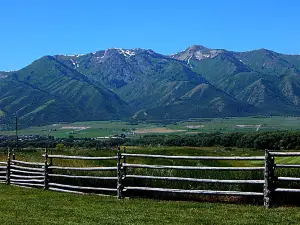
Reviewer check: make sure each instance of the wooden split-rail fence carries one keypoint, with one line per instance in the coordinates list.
(36, 174)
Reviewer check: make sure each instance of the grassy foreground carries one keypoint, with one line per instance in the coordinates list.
(29, 206)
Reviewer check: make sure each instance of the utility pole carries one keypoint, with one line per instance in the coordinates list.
(17, 137)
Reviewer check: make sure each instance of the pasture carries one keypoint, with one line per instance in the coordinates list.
(32, 206)
(94, 129)
(36, 155)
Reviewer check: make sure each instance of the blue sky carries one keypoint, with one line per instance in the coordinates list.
(34, 28)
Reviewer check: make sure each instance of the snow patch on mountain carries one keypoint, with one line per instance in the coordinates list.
(188, 61)
(125, 52)
(199, 55)
(75, 64)
(103, 55)
(76, 55)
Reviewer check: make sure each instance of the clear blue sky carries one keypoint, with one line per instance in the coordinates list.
(34, 28)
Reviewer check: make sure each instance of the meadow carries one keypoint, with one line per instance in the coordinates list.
(36, 155)
(32, 206)
(94, 129)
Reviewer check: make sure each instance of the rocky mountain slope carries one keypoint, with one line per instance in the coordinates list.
(142, 84)
(262, 78)
(49, 91)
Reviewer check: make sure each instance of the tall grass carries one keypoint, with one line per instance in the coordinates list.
(36, 155)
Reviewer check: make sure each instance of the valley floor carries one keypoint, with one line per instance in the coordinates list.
(101, 129)
(29, 206)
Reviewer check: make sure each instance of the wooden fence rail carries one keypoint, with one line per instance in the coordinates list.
(82, 177)
(194, 157)
(191, 167)
(24, 174)
(56, 172)
(49, 176)
(190, 179)
(3, 168)
(81, 157)
(83, 168)
(210, 192)
(197, 179)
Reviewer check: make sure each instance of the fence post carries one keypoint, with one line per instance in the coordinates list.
(124, 161)
(272, 178)
(14, 154)
(269, 179)
(8, 167)
(51, 159)
(119, 173)
(46, 169)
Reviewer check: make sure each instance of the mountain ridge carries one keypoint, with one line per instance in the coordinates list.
(141, 84)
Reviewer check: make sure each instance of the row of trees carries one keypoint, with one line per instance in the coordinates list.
(266, 140)
(43, 142)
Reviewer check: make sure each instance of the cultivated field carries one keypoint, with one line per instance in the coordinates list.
(102, 129)
(26, 206)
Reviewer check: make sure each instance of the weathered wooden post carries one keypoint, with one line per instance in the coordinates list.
(46, 170)
(269, 179)
(119, 174)
(8, 167)
(14, 154)
(124, 161)
(272, 179)
(51, 159)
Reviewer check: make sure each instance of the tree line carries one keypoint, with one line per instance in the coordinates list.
(256, 140)
(264, 140)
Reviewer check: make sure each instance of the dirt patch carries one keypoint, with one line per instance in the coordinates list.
(194, 126)
(75, 128)
(247, 126)
(157, 130)
(192, 132)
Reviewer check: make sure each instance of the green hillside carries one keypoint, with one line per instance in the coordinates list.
(48, 91)
(202, 101)
(261, 78)
(156, 86)
(143, 78)
(141, 84)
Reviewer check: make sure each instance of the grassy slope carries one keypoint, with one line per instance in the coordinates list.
(24, 206)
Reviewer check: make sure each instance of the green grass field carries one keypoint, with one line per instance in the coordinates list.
(29, 206)
(95, 129)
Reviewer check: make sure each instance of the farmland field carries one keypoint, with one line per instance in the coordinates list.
(28, 206)
(95, 129)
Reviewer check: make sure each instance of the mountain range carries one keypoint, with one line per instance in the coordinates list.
(140, 84)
